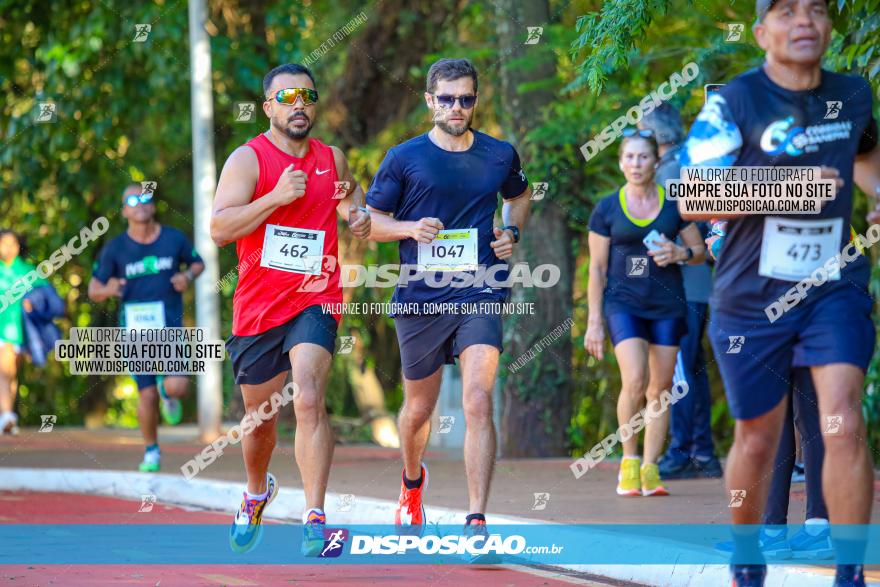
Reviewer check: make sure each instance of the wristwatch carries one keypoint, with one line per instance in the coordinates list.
(189, 274)
(515, 232)
(690, 255)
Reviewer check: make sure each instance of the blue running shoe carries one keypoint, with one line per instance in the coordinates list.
(771, 546)
(314, 523)
(478, 528)
(247, 527)
(807, 546)
(748, 575)
(849, 576)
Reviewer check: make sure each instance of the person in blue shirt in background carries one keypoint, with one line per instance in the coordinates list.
(142, 267)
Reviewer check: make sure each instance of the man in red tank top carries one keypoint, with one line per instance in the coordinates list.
(277, 199)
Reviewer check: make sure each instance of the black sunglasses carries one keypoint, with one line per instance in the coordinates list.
(467, 102)
(645, 133)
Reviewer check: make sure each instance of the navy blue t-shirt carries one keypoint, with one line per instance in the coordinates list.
(418, 179)
(754, 122)
(148, 269)
(635, 283)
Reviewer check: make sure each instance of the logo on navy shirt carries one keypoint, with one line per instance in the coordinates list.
(784, 136)
(150, 265)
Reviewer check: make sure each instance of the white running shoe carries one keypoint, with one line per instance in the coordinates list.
(9, 423)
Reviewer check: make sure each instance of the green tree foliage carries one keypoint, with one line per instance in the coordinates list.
(123, 115)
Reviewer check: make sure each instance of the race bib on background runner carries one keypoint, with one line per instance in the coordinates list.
(145, 315)
(792, 249)
(451, 250)
(296, 250)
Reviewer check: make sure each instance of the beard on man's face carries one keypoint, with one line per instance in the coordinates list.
(457, 129)
(295, 132)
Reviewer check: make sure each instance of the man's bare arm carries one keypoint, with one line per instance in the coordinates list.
(234, 215)
(388, 229)
(515, 211)
(866, 173)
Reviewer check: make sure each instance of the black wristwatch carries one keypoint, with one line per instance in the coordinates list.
(690, 255)
(515, 232)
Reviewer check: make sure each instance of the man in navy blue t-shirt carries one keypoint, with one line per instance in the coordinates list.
(142, 266)
(791, 112)
(437, 195)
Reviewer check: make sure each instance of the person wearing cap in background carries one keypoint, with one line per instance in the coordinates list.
(142, 267)
(691, 452)
(777, 115)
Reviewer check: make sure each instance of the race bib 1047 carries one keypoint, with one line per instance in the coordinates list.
(451, 250)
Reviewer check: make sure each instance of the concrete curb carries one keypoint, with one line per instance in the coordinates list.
(226, 496)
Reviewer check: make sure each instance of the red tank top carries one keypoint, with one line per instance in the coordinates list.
(266, 297)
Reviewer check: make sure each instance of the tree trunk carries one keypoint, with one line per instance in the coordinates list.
(357, 109)
(537, 398)
(377, 86)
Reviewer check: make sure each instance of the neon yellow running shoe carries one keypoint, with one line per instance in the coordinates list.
(628, 482)
(651, 484)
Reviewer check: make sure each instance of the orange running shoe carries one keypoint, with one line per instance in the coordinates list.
(410, 509)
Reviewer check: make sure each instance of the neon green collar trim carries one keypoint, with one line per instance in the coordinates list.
(641, 221)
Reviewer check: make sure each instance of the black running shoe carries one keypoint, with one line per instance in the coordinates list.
(676, 468)
(748, 575)
(849, 576)
(709, 469)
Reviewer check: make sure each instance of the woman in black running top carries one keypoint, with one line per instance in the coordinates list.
(638, 293)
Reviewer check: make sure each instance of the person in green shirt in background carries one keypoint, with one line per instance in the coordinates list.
(12, 268)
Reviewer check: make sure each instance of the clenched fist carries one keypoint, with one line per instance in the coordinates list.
(426, 229)
(291, 185)
(114, 286)
(359, 221)
(180, 281)
(503, 243)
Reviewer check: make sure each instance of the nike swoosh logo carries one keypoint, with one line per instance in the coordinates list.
(319, 172)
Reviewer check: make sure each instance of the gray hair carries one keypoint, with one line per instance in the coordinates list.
(665, 121)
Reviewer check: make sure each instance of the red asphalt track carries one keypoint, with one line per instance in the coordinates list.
(65, 508)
